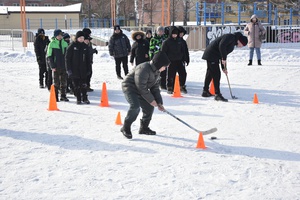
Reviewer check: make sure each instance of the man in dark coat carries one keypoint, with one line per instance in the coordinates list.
(215, 52)
(78, 65)
(140, 48)
(141, 89)
(186, 58)
(119, 47)
(174, 49)
(40, 43)
(92, 50)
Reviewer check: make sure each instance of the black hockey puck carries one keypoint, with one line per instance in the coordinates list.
(213, 138)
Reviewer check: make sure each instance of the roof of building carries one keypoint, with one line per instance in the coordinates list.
(75, 8)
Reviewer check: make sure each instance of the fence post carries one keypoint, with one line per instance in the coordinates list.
(254, 8)
(28, 23)
(291, 16)
(197, 13)
(222, 13)
(55, 23)
(239, 13)
(204, 13)
(70, 23)
(275, 16)
(270, 13)
(41, 23)
(12, 39)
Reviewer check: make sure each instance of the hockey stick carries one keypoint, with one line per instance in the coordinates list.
(233, 97)
(212, 130)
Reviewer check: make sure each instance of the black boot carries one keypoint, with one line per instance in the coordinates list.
(170, 90)
(250, 62)
(219, 97)
(85, 99)
(78, 97)
(206, 93)
(63, 97)
(144, 128)
(183, 89)
(126, 131)
(259, 62)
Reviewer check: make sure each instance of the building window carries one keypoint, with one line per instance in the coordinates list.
(16, 4)
(47, 4)
(228, 8)
(32, 4)
(243, 8)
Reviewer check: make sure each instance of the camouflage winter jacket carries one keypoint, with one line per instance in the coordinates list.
(155, 45)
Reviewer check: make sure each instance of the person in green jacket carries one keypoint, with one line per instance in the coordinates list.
(56, 60)
(155, 47)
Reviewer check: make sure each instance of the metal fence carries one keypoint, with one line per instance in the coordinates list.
(197, 37)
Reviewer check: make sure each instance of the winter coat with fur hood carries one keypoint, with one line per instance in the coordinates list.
(253, 31)
(140, 49)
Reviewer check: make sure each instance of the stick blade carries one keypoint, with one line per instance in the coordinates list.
(210, 131)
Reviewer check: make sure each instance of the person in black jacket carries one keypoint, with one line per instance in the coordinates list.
(186, 58)
(141, 89)
(119, 47)
(92, 50)
(174, 49)
(149, 35)
(140, 48)
(78, 65)
(40, 43)
(215, 52)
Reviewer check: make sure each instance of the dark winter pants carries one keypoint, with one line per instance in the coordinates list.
(136, 102)
(50, 79)
(176, 66)
(124, 61)
(213, 72)
(88, 80)
(80, 88)
(42, 72)
(163, 79)
(60, 80)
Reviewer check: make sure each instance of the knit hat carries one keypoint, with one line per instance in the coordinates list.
(148, 31)
(181, 30)
(79, 34)
(174, 30)
(117, 27)
(66, 36)
(57, 32)
(87, 31)
(41, 31)
(160, 59)
(87, 37)
(243, 39)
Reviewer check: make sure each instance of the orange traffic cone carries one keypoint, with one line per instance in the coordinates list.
(255, 99)
(176, 92)
(104, 97)
(212, 87)
(52, 102)
(200, 143)
(118, 119)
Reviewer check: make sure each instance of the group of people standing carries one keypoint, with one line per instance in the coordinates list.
(157, 59)
(66, 63)
(169, 40)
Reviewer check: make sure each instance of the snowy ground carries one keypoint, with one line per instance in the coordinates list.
(79, 152)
